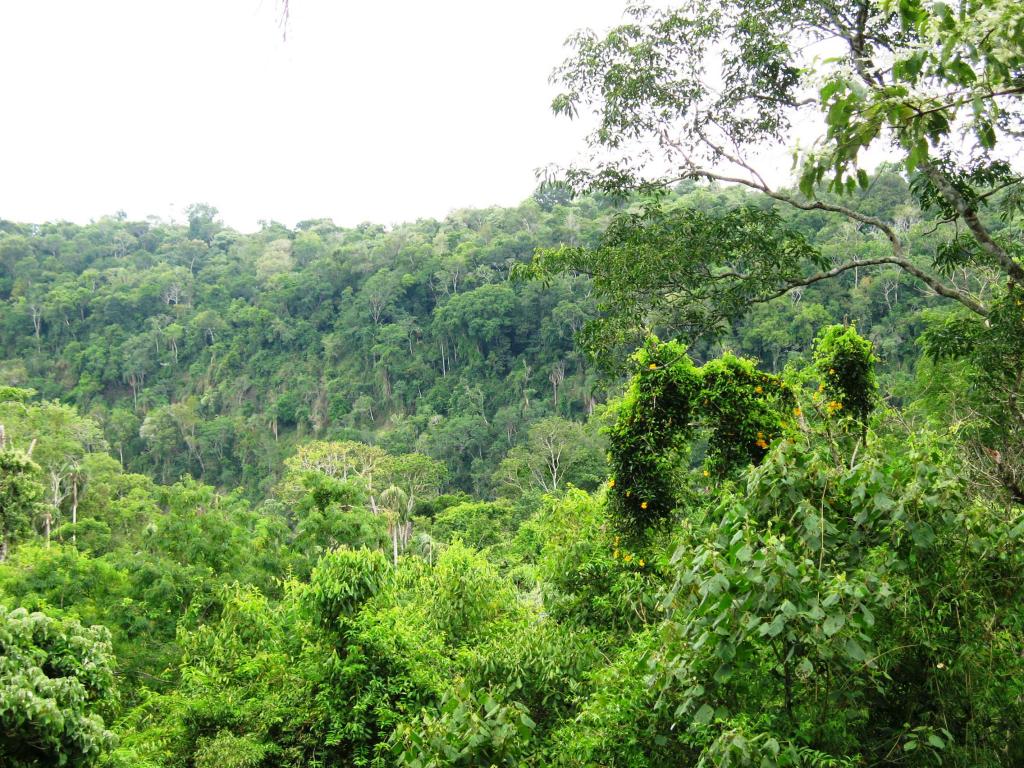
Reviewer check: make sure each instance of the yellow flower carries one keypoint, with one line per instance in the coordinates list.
(760, 435)
(615, 554)
(611, 483)
(761, 444)
(627, 557)
(759, 389)
(821, 387)
(643, 505)
(706, 473)
(653, 366)
(797, 412)
(831, 370)
(641, 563)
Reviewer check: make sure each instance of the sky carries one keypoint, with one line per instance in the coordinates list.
(385, 111)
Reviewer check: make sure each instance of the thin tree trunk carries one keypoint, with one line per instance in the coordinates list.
(74, 511)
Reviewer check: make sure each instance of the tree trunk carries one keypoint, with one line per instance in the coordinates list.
(55, 498)
(74, 510)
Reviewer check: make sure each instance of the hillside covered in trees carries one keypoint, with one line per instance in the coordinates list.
(658, 468)
(203, 351)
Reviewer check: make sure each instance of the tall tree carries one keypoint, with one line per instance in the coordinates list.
(917, 76)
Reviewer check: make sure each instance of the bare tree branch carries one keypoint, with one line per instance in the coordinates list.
(898, 258)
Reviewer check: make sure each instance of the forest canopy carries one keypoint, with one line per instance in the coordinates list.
(663, 466)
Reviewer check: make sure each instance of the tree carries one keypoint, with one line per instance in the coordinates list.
(345, 460)
(202, 222)
(974, 378)
(20, 497)
(556, 452)
(55, 677)
(414, 478)
(57, 438)
(915, 76)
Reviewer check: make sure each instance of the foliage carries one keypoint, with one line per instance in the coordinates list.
(20, 495)
(471, 728)
(342, 581)
(680, 268)
(55, 678)
(915, 76)
(742, 410)
(557, 452)
(336, 495)
(795, 615)
(745, 410)
(983, 398)
(651, 429)
(845, 363)
(206, 351)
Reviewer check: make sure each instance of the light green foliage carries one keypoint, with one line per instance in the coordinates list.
(342, 582)
(590, 576)
(556, 452)
(55, 678)
(335, 512)
(225, 750)
(794, 615)
(745, 411)
(620, 723)
(479, 524)
(471, 727)
(952, 66)
(20, 496)
(467, 594)
(974, 377)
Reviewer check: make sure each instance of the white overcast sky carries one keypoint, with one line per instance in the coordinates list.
(370, 111)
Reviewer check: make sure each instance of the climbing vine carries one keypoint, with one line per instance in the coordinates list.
(741, 409)
(652, 429)
(745, 411)
(845, 363)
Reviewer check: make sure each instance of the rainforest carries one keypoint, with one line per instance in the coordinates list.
(671, 464)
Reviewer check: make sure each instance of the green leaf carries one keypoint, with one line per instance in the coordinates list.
(883, 502)
(854, 650)
(704, 715)
(833, 623)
